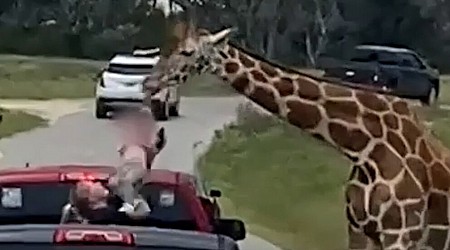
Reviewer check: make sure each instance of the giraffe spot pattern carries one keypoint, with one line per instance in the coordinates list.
(343, 110)
(352, 139)
(371, 101)
(269, 70)
(419, 170)
(411, 133)
(308, 90)
(391, 121)
(437, 209)
(437, 239)
(397, 142)
(390, 239)
(440, 177)
(332, 90)
(354, 195)
(284, 86)
(258, 76)
(424, 151)
(400, 107)
(241, 83)
(231, 67)
(356, 239)
(437, 152)
(412, 212)
(388, 163)
(360, 175)
(415, 235)
(392, 217)
(265, 96)
(379, 194)
(371, 230)
(373, 124)
(303, 115)
(248, 63)
(407, 188)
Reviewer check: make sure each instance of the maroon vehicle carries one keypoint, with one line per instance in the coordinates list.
(36, 195)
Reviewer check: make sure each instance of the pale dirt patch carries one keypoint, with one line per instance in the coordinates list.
(50, 110)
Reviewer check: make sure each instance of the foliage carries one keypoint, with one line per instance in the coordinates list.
(293, 32)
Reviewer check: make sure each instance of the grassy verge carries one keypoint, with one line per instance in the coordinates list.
(15, 121)
(287, 186)
(25, 77)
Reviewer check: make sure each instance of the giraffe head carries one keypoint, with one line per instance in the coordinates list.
(190, 51)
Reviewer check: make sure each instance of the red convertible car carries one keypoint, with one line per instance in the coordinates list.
(36, 195)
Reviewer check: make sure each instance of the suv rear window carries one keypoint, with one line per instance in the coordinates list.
(127, 69)
(33, 200)
(46, 201)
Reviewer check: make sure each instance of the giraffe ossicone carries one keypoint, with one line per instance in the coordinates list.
(397, 194)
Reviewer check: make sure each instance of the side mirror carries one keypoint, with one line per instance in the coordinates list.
(215, 193)
(232, 228)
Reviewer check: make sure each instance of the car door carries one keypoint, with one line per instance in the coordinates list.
(413, 76)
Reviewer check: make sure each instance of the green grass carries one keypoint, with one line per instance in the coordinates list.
(15, 121)
(25, 77)
(286, 185)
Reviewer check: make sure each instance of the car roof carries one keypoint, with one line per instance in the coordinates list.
(51, 173)
(128, 59)
(384, 48)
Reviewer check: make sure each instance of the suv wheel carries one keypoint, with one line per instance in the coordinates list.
(101, 110)
(431, 98)
(174, 109)
(160, 110)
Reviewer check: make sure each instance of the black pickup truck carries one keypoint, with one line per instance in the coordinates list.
(398, 71)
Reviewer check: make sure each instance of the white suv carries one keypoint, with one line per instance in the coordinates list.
(120, 84)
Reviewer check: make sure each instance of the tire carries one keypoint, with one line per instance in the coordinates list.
(174, 110)
(431, 98)
(160, 110)
(101, 110)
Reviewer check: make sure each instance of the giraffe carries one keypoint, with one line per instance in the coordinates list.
(397, 191)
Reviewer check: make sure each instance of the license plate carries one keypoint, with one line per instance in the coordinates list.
(129, 84)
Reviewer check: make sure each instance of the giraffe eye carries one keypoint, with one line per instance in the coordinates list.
(187, 53)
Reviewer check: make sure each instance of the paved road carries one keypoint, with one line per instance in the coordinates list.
(79, 138)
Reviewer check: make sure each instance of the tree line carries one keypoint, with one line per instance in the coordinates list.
(294, 32)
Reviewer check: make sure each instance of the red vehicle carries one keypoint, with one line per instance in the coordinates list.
(36, 195)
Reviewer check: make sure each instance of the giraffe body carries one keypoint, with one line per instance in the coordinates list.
(397, 192)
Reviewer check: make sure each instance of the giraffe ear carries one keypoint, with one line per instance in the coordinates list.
(220, 36)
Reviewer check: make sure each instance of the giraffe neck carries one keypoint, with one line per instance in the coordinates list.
(348, 119)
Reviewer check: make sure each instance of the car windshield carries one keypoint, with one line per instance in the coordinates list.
(42, 203)
(130, 69)
(37, 246)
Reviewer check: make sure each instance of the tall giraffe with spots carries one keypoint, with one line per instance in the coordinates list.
(397, 192)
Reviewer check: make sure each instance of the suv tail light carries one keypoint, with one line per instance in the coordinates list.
(80, 176)
(86, 236)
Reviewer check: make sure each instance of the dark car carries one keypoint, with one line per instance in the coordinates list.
(107, 237)
(37, 195)
(397, 71)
